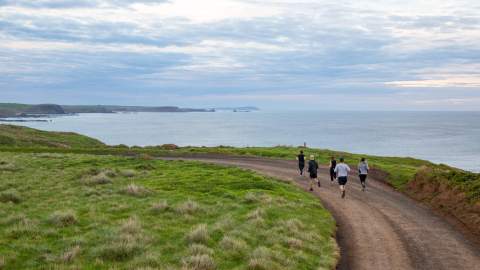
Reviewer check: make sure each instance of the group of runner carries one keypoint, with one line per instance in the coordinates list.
(338, 171)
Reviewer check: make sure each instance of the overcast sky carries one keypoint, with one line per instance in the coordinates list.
(296, 54)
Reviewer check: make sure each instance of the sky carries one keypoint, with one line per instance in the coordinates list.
(274, 54)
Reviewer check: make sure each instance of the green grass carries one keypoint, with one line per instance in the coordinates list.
(400, 170)
(76, 211)
(16, 136)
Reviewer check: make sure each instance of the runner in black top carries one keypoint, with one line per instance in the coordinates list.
(333, 164)
(301, 162)
(312, 169)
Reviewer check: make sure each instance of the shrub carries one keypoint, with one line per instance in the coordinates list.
(63, 218)
(199, 234)
(10, 195)
(199, 262)
(170, 147)
(136, 191)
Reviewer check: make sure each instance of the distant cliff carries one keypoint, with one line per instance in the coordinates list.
(25, 110)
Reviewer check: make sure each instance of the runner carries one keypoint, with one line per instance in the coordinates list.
(312, 169)
(301, 162)
(363, 172)
(342, 170)
(333, 164)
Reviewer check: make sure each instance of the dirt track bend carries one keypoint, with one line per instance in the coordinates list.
(379, 228)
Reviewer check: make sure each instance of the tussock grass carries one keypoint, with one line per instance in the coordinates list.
(160, 207)
(70, 255)
(293, 226)
(135, 190)
(23, 228)
(198, 234)
(10, 195)
(188, 208)
(295, 243)
(234, 246)
(127, 242)
(99, 179)
(199, 262)
(261, 259)
(2, 262)
(256, 216)
(199, 249)
(63, 218)
(7, 166)
(128, 173)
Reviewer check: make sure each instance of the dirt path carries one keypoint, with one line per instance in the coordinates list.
(379, 228)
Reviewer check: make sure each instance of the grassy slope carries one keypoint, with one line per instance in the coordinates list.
(11, 135)
(400, 170)
(71, 210)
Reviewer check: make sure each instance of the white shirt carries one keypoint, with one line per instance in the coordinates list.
(342, 170)
(363, 167)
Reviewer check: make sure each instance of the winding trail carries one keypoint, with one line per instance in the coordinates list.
(379, 228)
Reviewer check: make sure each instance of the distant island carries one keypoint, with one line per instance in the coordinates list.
(15, 110)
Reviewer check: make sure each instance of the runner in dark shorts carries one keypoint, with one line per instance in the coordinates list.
(333, 164)
(313, 170)
(342, 171)
(301, 162)
(363, 172)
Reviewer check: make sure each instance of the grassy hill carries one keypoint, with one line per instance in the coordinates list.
(72, 211)
(16, 136)
(450, 190)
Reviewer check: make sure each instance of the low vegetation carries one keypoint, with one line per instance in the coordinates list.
(57, 211)
(16, 136)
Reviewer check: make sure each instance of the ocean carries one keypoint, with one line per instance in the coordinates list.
(451, 138)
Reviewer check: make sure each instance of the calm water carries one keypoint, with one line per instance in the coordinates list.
(443, 137)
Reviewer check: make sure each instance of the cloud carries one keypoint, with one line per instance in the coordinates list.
(278, 49)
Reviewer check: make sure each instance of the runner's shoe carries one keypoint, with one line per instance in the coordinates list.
(343, 194)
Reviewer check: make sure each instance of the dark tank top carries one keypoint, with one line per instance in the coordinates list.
(334, 164)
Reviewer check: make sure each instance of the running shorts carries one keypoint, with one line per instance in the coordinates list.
(342, 180)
